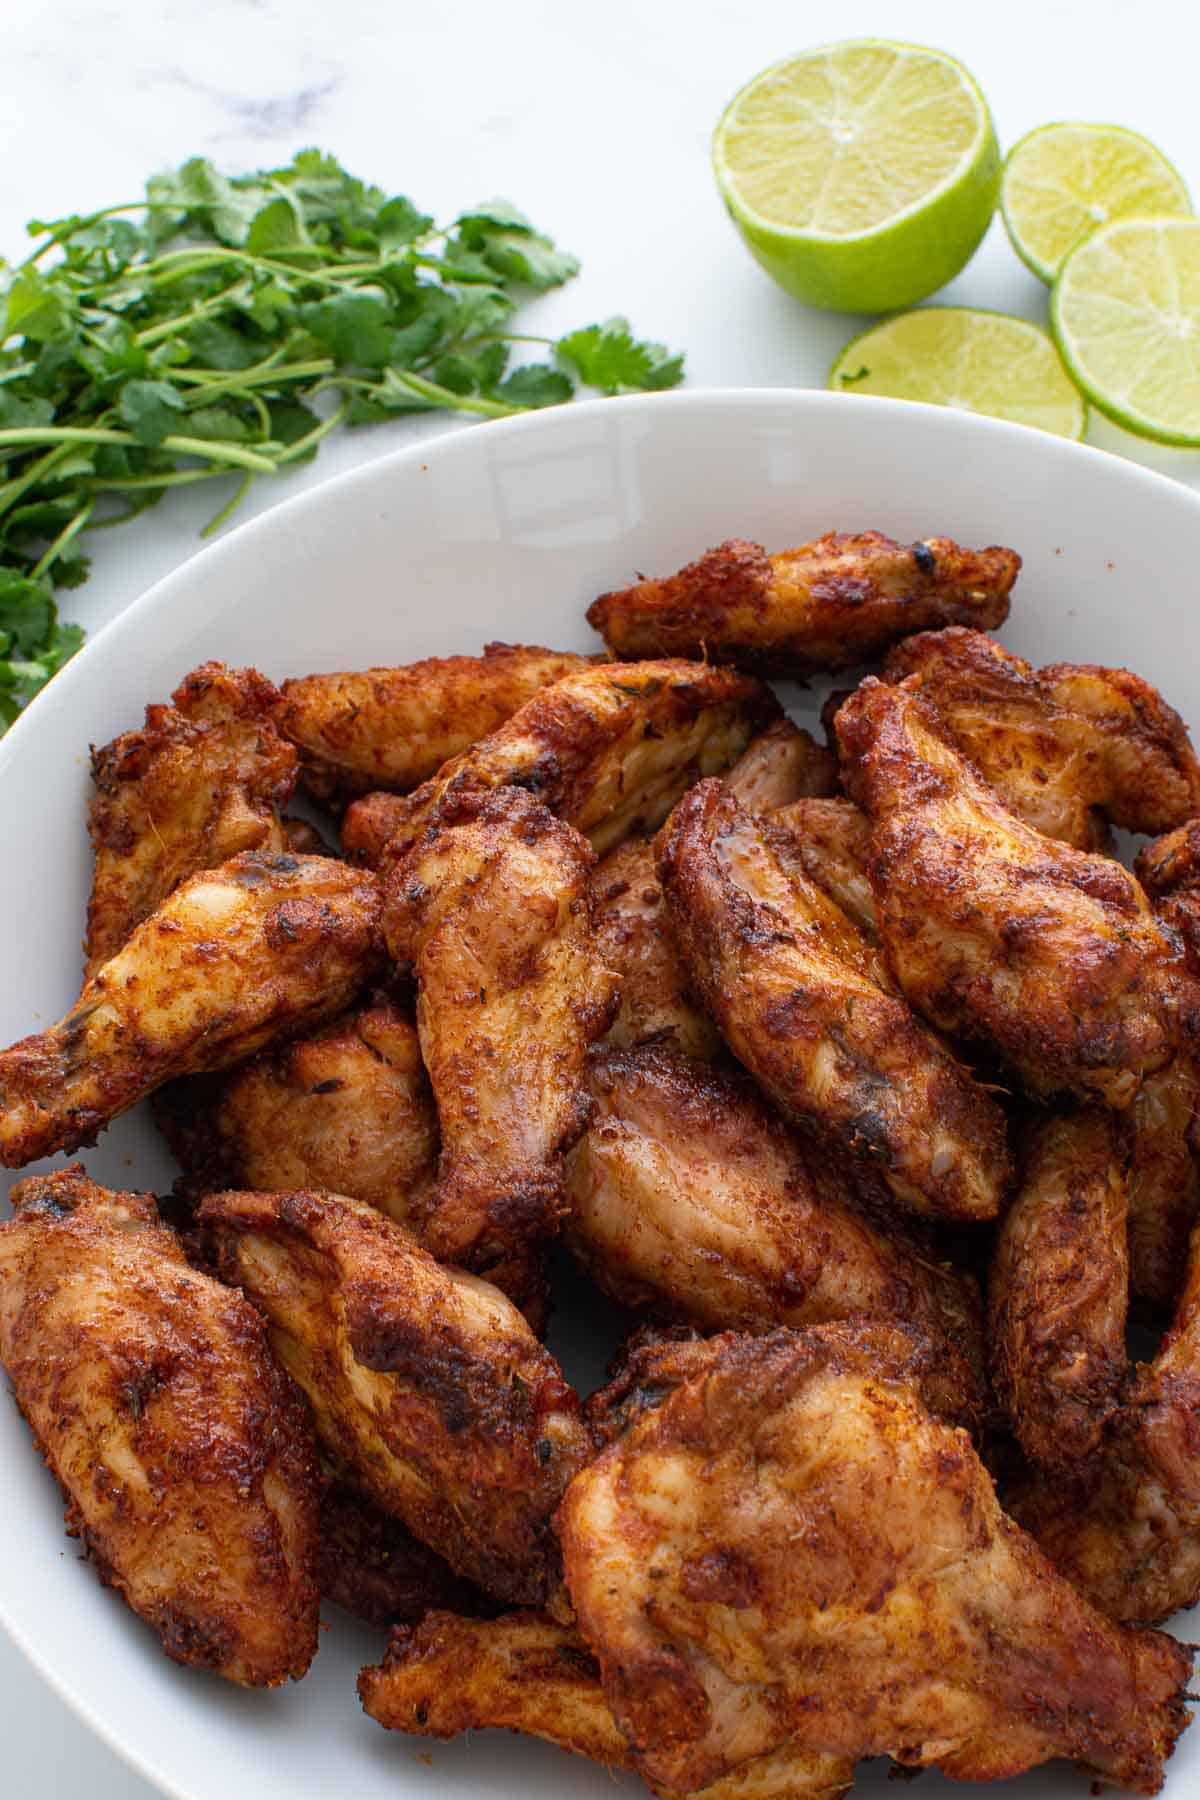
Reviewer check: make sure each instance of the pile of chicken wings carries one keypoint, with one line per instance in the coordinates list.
(860, 1078)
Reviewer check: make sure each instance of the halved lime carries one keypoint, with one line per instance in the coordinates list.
(1125, 312)
(861, 175)
(1061, 182)
(985, 362)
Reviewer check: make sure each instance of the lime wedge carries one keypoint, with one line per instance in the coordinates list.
(1061, 182)
(1125, 312)
(861, 175)
(983, 362)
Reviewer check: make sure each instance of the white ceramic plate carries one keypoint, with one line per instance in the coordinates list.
(503, 531)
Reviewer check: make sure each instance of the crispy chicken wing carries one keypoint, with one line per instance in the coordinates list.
(1164, 1182)
(1169, 869)
(998, 934)
(826, 605)
(792, 1549)
(832, 840)
(186, 1456)
(347, 1108)
(804, 1003)
(609, 750)
(492, 910)
(448, 1675)
(233, 959)
(688, 1195)
(394, 728)
(205, 778)
(1059, 1286)
(782, 764)
(426, 1383)
(1126, 1531)
(1070, 748)
(374, 1567)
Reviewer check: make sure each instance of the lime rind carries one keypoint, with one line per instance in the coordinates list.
(967, 358)
(1125, 314)
(1064, 180)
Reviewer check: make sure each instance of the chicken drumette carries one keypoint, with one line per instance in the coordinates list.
(187, 1457)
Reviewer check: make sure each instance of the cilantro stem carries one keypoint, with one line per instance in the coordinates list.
(70, 530)
(264, 374)
(310, 438)
(37, 471)
(446, 397)
(234, 501)
(154, 334)
(214, 450)
(120, 484)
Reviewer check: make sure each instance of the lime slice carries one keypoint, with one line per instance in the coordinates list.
(1061, 182)
(861, 175)
(1125, 312)
(983, 362)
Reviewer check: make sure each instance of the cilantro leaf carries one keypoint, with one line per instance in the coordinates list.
(151, 409)
(610, 358)
(537, 384)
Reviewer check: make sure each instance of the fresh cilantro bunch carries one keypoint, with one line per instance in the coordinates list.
(222, 327)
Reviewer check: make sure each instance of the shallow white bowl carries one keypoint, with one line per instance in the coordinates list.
(504, 531)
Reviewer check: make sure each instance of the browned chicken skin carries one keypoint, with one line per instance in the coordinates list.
(234, 959)
(832, 840)
(1126, 1531)
(447, 1675)
(347, 1108)
(829, 604)
(1169, 869)
(186, 1456)
(204, 778)
(394, 728)
(1070, 748)
(1058, 1289)
(426, 1383)
(804, 1004)
(374, 1567)
(782, 764)
(1164, 1182)
(609, 750)
(791, 1549)
(492, 909)
(1000, 935)
(689, 1196)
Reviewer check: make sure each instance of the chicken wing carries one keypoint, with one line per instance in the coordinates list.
(805, 1005)
(826, 605)
(205, 778)
(348, 1109)
(634, 938)
(999, 935)
(492, 910)
(394, 728)
(792, 1549)
(1169, 869)
(832, 840)
(186, 1456)
(1164, 1182)
(233, 959)
(1059, 1286)
(1126, 1531)
(371, 1565)
(449, 1675)
(782, 764)
(426, 1383)
(689, 1196)
(609, 750)
(1070, 749)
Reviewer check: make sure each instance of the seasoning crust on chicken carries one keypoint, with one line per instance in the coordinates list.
(832, 840)
(782, 764)
(492, 910)
(1071, 748)
(609, 750)
(837, 601)
(205, 778)
(805, 1004)
(372, 1565)
(1164, 1182)
(426, 1384)
(186, 1456)
(1059, 1286)
(1169, 869)
(1000, 935)
(234, 959)
(791, 1549)
(394, 728)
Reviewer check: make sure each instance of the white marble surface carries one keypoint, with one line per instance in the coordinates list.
(594, 118)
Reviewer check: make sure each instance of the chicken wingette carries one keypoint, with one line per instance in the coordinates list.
(1049, 957)
(832, 840)
(839, 600)
(204, 778)
(1164, 1182)
(392, 728)
(792, 1550)
(426, 1384)
(235, 958)
(372, 1565)
(609, 750)
(186, 1455)
(1071, 748)
(804, 1003)
(492, 911)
